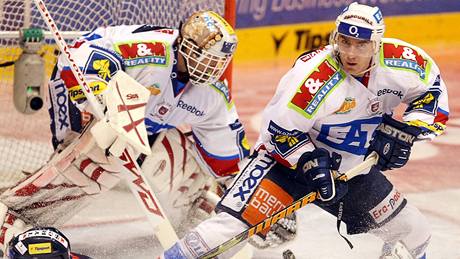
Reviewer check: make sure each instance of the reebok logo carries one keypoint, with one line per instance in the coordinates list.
(190, 108)
(390, 91)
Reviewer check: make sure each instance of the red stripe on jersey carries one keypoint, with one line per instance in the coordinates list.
(68, 78)
(441, 117)
(218, 166)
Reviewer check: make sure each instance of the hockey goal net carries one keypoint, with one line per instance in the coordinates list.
(25, 142)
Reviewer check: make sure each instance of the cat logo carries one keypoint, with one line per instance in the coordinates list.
(102, 67)
(347, 106)
(290, 140)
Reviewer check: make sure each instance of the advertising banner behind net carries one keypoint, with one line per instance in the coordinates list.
(256, 13)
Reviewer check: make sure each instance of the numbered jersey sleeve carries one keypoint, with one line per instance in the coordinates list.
(304, 95)
(220, 137)
(428, 101)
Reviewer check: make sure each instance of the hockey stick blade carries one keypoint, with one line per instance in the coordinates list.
(296, 205)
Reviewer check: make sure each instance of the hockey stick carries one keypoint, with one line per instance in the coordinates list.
(131, 170)
(296, 205)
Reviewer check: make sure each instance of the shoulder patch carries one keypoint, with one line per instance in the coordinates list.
(427, 103)
(405, 58)
(286, 141)
(316, 87)
(223, 90)
(310, 54)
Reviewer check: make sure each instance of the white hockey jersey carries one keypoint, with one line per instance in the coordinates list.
(318, 104)
(149, 55)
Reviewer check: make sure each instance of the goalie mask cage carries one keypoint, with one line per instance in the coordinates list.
(25, 140)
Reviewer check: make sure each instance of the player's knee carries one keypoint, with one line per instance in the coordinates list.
(409, 227)
(200, 240)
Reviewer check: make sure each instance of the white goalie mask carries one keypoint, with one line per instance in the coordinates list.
(208, 43)
(361, 22)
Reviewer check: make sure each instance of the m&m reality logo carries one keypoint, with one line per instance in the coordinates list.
(404, 57)
(312, 92)
(143, 53)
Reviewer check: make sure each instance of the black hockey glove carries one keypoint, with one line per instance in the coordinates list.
(317, 167)
(392, 141)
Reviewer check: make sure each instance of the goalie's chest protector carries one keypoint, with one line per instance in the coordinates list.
(150, 56)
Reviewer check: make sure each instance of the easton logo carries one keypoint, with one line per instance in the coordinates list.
(144, 53)
(404, 57)
(312, 92)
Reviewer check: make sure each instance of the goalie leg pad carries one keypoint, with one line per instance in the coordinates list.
(58, 190)
(10, 226)
(176, 177)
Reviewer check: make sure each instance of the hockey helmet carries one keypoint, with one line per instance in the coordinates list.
(358, 21)
(207, 45)
(39, 243)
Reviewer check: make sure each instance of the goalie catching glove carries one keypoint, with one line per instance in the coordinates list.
(392, 141)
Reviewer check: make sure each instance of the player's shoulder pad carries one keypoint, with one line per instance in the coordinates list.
(308, 55)
(221, 87)
(317, 80)
(150, 27)
(401, 56)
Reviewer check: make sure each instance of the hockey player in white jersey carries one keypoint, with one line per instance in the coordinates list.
(331, 110)
(182, 70)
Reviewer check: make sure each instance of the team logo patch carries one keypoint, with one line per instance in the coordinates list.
(154, 89)
(403, 57)
(102, 65)
(347, 106)
(144, 53)
(427, 103)
(286, 141)
(314, 89)
(374, 106)
(161, 110)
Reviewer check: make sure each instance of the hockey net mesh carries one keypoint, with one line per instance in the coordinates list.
(25, 142)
